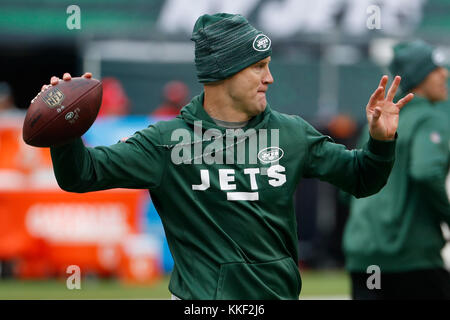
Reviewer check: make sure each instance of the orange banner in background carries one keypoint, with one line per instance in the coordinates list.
(44, 229)
(68, 229)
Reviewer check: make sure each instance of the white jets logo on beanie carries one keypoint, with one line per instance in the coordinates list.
(261, 43)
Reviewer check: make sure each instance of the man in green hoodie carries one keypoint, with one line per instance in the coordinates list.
(223, 173)
(393, 239)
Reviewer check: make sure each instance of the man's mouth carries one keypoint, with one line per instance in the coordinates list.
(261, 94)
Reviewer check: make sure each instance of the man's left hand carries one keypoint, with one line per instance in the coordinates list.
(382, 113)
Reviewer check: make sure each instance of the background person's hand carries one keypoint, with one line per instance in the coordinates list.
(382, 113)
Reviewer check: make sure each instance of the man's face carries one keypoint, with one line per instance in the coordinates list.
(435, 85)
(248, 87)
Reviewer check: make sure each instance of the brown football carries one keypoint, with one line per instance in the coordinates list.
(62, 112)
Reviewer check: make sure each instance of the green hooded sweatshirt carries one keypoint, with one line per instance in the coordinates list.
(231, 227)
(398, 228)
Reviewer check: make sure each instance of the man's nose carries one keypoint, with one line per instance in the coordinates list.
(268, 79)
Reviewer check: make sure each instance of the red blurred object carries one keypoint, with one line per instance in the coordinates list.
(115, 101)
(176, 94)
(342, 127)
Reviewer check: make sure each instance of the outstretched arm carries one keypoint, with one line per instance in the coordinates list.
(137, 163)
(361, 172)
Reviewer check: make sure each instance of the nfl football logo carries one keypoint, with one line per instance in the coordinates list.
(53, 98)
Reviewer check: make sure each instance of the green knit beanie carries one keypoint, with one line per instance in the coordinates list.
(413, 61)
(225, 44)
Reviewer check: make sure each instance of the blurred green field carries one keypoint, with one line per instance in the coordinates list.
(316, 285)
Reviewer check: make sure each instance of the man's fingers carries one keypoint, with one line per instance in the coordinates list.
(379, 93)
(404, 100)
(393, 89)
(375, 96)
(54, 81)
(383, 83)
(66, 77)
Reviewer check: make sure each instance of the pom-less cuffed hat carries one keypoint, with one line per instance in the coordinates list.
(413, 61)
(225, 44)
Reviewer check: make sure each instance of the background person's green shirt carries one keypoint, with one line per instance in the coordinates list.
(445, 107)
(398, 228)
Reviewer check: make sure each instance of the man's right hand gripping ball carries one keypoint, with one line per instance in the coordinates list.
(63, 111)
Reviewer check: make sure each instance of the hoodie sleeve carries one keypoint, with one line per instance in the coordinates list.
(137, 163)
(430, 162)
(360, 172)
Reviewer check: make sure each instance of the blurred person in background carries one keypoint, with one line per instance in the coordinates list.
(176, 96)
(445, 108)
(399, 228)
(115, 101)
(12, 146)
(7, 106)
